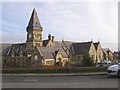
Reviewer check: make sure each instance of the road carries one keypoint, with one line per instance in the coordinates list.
(96, 81)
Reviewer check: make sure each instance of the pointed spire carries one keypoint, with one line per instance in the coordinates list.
(34, 20)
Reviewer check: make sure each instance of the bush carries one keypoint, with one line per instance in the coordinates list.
(87, 60)
(57, 70)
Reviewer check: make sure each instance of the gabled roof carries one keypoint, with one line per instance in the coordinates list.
(81, 48)
(57, 52)
(67, 44)
(5, 48)
(96, 45)
(16, 49)
(49, 52)
(106, 50)
(34, 20)
(45, 42)
(58, 44)
(48, 55)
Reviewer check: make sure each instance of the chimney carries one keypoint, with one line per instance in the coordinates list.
(53, 38)
(49, 37)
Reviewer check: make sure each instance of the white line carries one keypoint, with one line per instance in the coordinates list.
(30, 80)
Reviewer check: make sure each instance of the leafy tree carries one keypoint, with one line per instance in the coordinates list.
(87, 60)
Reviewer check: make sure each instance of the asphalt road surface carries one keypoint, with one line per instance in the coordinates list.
(96, 81)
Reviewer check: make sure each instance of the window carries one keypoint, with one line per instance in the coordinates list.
(49, 63)
(13, 55)
(36, 57)
(30, 35)
(38, 44)
(4, 61)
(29, 55)
(21, 54)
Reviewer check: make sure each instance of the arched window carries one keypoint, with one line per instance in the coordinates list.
(13, 55)
(4, 62)
(36, 57)
(30, 35)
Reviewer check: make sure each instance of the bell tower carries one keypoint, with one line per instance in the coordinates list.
(34, 32)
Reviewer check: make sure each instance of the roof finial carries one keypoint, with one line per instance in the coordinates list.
(91, 40)
(98, 41)
(62, 39)
(33, 8)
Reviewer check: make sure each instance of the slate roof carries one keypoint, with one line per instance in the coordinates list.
(45, 42)
(5, 48)
(68, 44)
(65, 44)
(49, 52)
(105, 50)
(81, 48)
(17, 49)
(48, 55)
(58, 44)
(34, 20)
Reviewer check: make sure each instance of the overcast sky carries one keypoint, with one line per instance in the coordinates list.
(81, 21)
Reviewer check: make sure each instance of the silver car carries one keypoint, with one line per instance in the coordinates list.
(114, 70)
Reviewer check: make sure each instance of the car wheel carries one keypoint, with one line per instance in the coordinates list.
(118, 74)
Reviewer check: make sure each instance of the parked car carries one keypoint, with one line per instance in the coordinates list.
(103, 63)
(106, 62)
(114, 70)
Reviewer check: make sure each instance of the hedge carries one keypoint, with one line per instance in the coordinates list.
(56, 70)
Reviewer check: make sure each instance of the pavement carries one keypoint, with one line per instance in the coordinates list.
(57, 74)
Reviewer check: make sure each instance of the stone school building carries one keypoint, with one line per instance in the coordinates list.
(36, 52)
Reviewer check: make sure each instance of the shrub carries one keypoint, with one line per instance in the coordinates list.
(57, 70)
(87, 60)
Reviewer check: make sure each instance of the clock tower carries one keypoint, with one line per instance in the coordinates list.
(34, 32)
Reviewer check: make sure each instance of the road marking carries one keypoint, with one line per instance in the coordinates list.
(30, 80)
